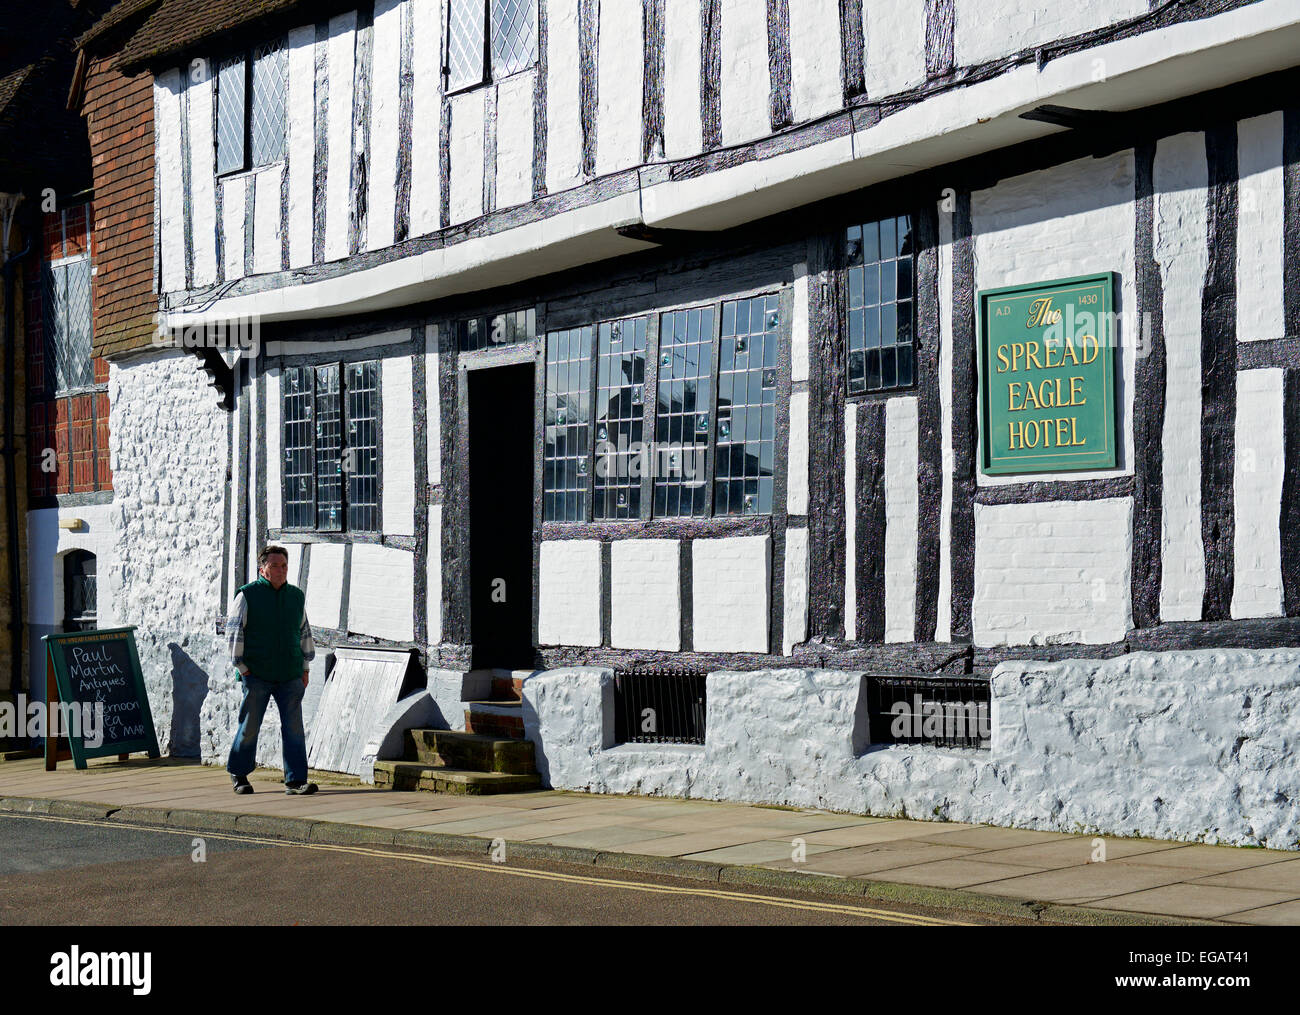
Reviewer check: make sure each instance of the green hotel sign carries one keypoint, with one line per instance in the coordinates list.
(1047, 375)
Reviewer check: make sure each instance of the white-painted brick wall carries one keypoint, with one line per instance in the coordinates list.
(814, 80)
(985, 31)
(1260, 287)
(731, 579)
(1257, 495)
(301, 128)
(167, 152)
(681, 78)
(381, 594)
(515, 140)
(745, 91)
(1180, 251)
(646, 594)
(799, 326)
(568, 606)
(797, 459)
(385, 102)
(795, 601)
(894, 34)
(618, 87)
(267, 246)
(1052, 572)
(466, 155)
(426, 116)
(902, 500)
(563, 126)
(338, 177)
(325, 585)
(1069, 220)
(399, 448)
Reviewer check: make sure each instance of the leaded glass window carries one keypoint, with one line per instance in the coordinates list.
(496, 36)
(685, 396)
(331, 447)
(361, 460)
(329, 450)
(567, 451)
(251, 101)
(298, 443)
(620, 413)
(712, 414)
(880, 277)
(67, 317)
(746, 424)
(474, 333)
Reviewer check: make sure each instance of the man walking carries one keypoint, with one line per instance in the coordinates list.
(271, 645)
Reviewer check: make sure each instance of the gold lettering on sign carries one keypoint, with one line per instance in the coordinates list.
(1041, 314)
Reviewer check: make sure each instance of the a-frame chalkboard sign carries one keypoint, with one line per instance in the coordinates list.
(84, 668)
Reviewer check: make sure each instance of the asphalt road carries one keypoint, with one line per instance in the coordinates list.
(79, 872)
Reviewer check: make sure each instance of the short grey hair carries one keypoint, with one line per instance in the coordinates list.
(265, 555)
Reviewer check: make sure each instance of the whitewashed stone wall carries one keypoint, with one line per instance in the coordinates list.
(168, 457)
(1191, 746)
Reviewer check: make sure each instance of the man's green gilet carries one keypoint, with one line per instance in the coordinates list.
(272, 632)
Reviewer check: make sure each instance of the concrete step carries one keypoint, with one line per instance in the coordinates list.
(501, 719)
(449, 749)
(413, 775)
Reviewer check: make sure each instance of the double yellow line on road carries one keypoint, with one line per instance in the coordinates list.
(888, 916)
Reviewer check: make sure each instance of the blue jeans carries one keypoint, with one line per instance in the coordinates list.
(288, 698)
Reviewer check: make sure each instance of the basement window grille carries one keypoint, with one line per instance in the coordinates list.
(660, 705)
(937, 712)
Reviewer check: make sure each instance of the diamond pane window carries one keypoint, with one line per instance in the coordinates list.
(66, 307)
(514, 36)
(682, 422)
(566, 453)
(620, 414)
(361, 458)
(298, 387)
(465, 22)
(267, 105)
(880, 276)
(746, 423)
(329, 450)
(231, 96)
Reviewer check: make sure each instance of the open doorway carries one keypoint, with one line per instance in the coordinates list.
(501, 455)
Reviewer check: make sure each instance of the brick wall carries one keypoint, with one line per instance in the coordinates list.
(119, 118)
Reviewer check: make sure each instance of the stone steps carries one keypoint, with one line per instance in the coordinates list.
(447, 749)
(416, 775)
(501, 719)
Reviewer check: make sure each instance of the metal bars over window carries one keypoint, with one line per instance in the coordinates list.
(488, 37)
(880, 274)
(660, 706)
(939, 712)
(620, 411)
(331, 447)
(250, 111)
(711, 406)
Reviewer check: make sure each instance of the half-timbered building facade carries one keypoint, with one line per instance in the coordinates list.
(568, 338)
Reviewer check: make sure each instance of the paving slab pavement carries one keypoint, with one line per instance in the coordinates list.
(1050, 874)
